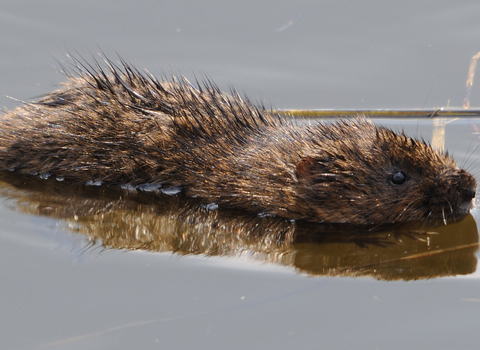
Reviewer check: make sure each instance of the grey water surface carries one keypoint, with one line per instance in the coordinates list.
(62, 289)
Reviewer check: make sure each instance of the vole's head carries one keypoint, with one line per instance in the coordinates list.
(371, 175)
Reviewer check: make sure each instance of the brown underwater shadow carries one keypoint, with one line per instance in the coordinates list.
(156, 222)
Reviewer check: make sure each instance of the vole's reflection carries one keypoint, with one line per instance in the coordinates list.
(153, 222)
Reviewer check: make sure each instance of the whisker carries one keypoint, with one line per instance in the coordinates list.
(465, 160)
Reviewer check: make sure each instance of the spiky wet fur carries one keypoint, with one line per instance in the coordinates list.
(121, 126)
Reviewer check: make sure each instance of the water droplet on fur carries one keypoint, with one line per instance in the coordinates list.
(128, 187)
(93, 183)
(149, 187)
(211, 206)
(172, 190)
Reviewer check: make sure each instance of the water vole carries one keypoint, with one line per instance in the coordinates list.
(127, 127)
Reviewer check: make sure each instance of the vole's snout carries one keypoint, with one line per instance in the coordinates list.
(466, 186)
(468, 195)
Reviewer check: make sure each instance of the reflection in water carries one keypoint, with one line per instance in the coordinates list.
(157, 222)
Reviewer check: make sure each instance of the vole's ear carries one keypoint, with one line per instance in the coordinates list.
(305, 168)
(312, 169)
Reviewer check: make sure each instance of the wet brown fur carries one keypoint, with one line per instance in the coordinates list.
(120, 126)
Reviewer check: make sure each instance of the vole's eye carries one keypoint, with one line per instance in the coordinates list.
(398, 178)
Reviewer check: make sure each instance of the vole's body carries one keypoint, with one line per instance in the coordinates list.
(128, 128)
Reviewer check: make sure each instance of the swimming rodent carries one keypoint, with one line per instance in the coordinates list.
(118, 126)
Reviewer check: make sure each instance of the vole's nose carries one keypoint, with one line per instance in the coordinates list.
(468, 195)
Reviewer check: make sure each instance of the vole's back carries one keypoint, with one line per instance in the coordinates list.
(122, 128)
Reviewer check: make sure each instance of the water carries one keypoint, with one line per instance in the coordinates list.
(61, 288)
